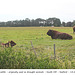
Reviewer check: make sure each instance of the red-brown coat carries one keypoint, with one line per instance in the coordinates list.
(58, 35)
(73, 29)
(9, 44)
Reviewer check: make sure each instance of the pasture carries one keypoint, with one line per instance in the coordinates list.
(22, 56)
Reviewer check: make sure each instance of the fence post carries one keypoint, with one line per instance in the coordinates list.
(33, 49)
(54, 52)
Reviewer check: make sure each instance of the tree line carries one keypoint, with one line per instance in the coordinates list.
(56, 22)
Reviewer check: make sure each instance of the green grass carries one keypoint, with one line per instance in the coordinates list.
(22, 55)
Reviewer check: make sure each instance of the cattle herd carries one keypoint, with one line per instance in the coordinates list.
(54, 35)
(59, 35)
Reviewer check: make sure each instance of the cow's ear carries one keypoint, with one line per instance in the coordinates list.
(51, 30)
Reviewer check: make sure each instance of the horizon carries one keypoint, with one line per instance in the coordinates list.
(37, 18)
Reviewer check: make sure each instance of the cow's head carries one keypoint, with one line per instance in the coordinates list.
(50, 32)
(12, 43)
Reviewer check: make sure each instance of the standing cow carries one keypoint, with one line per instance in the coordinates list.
(73, 29)
(58, 35)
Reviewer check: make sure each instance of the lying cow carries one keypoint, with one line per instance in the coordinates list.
(73, 29)
(9, 44)
(58, 35)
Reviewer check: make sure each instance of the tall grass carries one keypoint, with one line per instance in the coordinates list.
(11, 59)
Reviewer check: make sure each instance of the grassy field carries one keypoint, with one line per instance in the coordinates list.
(41, 55)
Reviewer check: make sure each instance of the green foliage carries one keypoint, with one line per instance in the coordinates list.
(28, 23)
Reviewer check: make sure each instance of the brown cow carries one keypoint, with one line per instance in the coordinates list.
(58, 35)
(73, 29)
(9, 44)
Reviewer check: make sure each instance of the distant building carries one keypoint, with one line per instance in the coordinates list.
(42, 22)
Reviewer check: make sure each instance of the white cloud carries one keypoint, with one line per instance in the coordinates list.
(20, 9)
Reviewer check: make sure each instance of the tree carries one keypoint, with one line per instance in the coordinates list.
(63, 24)
(28, 22)
(32, 22)
(40, 22)
(73, 23)
(53, 22)
(69, 24)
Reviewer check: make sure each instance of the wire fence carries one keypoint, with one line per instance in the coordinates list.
(51, 47)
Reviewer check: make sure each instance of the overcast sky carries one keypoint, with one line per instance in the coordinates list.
(32, 9)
